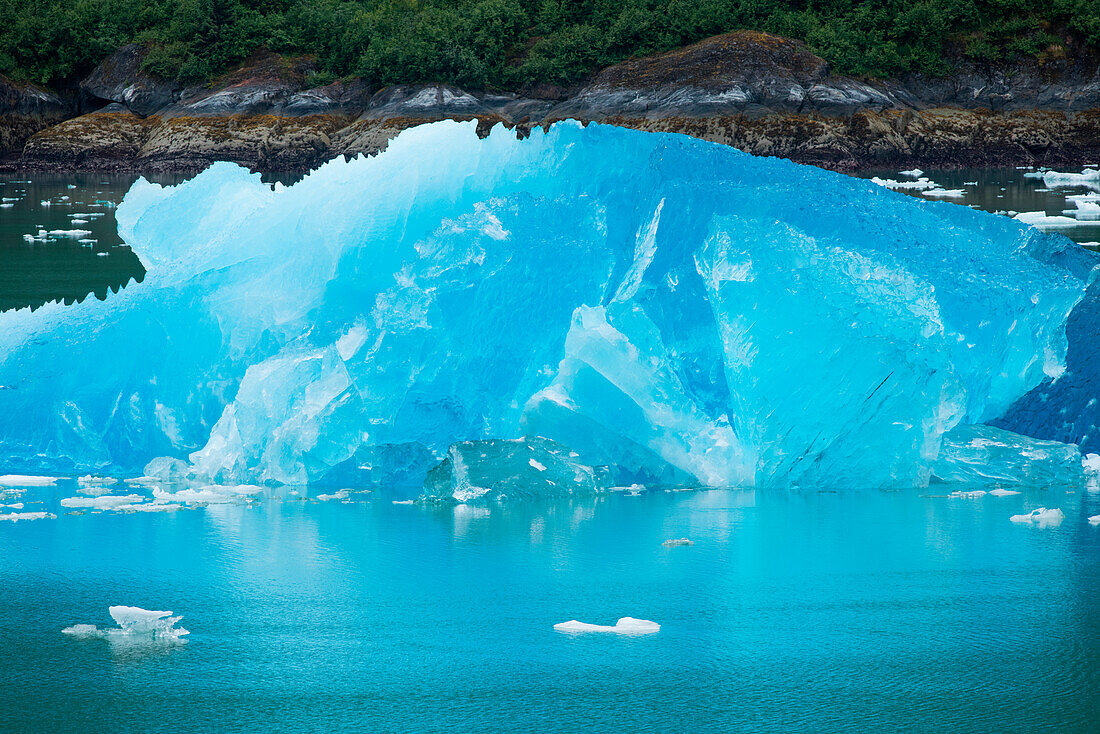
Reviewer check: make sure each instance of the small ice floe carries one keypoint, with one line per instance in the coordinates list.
(674, 542)
(102, 254)
(1094, 520)
(944, 193)
(1091, 463)
(33, 238)
(975, 494)
(14, 506)
(1087, 177)
(133, 622)
(26, 480)
(921, 184)
(71, 186)
(79, 221)
(342, 494)
(1042, 517)
(1003, 492)
(210, 494)
(71, 233)
(625, 626)
(17, 516)
(6, 206)
(404, 502)
(912, 173)
(149, 507)
(46, 202)
(90, 484)
(103, 502)
(1044, 221)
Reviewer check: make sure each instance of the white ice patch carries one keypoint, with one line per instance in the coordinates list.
(211, 494)
(74, 233)
(674, 542)
(1094, 520)
(342, 494)
(537, 465)
(1003, 492)
(1044, 221)
(17, 516)
(1041, 517)
(625, 626)
(103, 502)
(969, 495)
(26, 480)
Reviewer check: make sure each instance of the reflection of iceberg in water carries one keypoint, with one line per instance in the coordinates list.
(677, 310)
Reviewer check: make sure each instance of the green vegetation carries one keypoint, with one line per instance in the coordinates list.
(510, 43)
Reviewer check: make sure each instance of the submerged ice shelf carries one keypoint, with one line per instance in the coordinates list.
(672, 309)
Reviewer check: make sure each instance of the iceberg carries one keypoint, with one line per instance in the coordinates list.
(625, 626)
(18, 516)
(678, 311)
(133, 622)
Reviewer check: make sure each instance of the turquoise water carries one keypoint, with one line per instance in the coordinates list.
(832, 611)
(852, 610)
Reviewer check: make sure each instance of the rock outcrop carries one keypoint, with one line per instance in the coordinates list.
(758, 92)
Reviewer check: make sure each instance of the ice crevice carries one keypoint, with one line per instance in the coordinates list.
(673, 310)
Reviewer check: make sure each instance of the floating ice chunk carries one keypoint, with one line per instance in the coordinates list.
(103, 502)
(939, 193)
(921, 184)
(1041, 517)
(90, 480)
(510, 469)
(1003, 492)
(26, 480)
(134, 622)
(1044, 221)
(6, 206)
(342, 494)
(912, 173)
(82, 630)
(1091, 463)
(975, 494)
(673, 542)
(404, 502)
(625, 626)
(211, 494)
(14, 506)
(79, 221)
(73, 233)
(17, 516)
(1054, 179)
(150, 507)
(102, 254)
(984, 456)
(1094, 520)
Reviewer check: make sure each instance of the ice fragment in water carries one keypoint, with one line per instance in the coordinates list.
(677, 309)
(134, 622)
(673, 542)
(25, 480)
(17, 516)
(1003, 492)
(1094, 520)
(103, 502)
(625, 626)
(1041, 517)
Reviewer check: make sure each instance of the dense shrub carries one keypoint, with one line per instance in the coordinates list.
(508, 43)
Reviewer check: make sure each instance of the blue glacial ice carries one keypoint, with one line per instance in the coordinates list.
(676, 310)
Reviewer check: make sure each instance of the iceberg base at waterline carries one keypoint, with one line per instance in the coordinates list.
(674, 310)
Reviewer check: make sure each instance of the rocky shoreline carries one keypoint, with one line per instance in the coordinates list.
(763, 94)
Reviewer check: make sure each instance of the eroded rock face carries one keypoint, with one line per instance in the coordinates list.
(121, 79)
(755, 91)
(24, 110)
